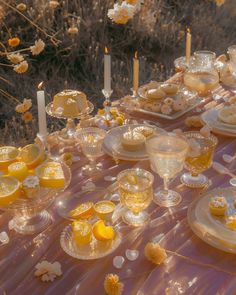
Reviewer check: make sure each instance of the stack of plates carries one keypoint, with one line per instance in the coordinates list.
(211, 118)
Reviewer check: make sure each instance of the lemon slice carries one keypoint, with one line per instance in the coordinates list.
(18, 170)
(83, 211)
(82, 232)
(51, 175)
(102, 232)
(9, 190)
(8, 155)
(32, 155)
(104, 209)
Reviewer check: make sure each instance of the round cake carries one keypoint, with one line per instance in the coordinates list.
(133, 141)
(70, 103)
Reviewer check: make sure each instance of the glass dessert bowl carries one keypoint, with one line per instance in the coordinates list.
(135, 190)
(199, 159)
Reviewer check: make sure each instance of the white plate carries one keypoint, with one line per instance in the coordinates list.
(210, 117)
(113, 147)
(210, 229)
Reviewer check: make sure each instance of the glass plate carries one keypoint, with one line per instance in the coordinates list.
(94, 250)
(210, 229)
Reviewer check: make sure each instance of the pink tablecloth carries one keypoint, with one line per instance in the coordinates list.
(192, 267)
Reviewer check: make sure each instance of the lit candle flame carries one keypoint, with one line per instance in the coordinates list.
(136, 54)
(40, 86)
(188, 30)
(106, 50)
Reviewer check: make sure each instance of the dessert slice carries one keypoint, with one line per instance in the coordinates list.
(9, 190)
(82, 232)
(132, 141)
(51, 175)
(218, 206)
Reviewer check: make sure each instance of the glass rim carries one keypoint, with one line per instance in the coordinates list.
(205, 52)
(212, 137)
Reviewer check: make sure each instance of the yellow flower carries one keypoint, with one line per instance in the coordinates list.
(220, 2)
(112, 285)
(53, 4)
(15, 58)
(114, 111)
(101, 112)
(21, 67)
(73, 30)
(13, 42)
(38, 47)
(120, 120)
(21, 7)
(27, 117)
(67, 158)
(155, 253)
(24, 107)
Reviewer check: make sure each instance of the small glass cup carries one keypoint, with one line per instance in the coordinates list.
(136, 193)
(167, 153)
(53, 146)
(198, 159)
(91, 140)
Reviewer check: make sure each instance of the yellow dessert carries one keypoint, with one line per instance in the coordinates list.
(32, 155)
(51, 175)
(169, 89)
(31, 186)
(145, 131)
(102, 232)
(8, 155)
(104, 209)
(9, 190)
(218, 206)
(132, 141)
(155, 94)
(70, 103)
(19, 170)
(82, 232)
(231, 221)
(83, 211)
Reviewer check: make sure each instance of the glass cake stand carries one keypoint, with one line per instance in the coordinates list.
(30, 215)
(70, 126)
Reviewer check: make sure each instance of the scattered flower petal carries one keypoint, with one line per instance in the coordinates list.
(88, 186)
(21, 7)
(155, 253)
(118, 261)
(11, 224)
(112, 285)
(109, 178)
(4, 238)
(15, 58)
(48, 271)
(27, 117)
(121, 13)
(131, 254)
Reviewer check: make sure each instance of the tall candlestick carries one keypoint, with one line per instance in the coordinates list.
(41, 112)
(188, 46)
(135, 74)
(107, 71)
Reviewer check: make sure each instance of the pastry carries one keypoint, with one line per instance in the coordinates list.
(231, 221)
(228, 115)
(70, 103)
(169, 89)
(132, 141)
(145, 130)
(9, 190)
(31, 186)
(51, 175)
(155, 94)
(18, 170)
(218, 206)
(82, 232)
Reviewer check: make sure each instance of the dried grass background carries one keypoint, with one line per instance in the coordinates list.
(157, 32)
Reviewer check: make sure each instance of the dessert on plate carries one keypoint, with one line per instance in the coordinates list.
(132, 141)
(228, 115)
(70, 103)
(145, 130)
(218, 206)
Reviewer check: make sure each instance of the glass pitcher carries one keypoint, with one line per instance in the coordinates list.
(201, 75)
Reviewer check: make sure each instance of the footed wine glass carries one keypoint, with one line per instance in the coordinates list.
(167, 153)
(91, 140)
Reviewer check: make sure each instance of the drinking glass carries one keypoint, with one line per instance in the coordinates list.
(136, 193)
(53, 146)
(199, 159)
(91, 140)
(232, 56)
(201, 75)
(167, 153)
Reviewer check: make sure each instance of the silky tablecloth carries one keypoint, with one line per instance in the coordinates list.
(192, 266)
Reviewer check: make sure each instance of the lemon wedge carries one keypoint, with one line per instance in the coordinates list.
(32, 155)
(8, 154)
(9, 190)
(82, 232)
(102, 232)
(83, 211)
(51, 175)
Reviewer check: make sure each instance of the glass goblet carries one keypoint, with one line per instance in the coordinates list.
(199, 159)
(136, 193)
(91, 140)
(167, 153)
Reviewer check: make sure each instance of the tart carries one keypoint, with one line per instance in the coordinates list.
(133, 141)
(218, 206)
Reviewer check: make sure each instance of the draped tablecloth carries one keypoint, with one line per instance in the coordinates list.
(192, 266)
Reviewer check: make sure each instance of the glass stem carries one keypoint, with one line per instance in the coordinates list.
(166, 184)
(92, 163)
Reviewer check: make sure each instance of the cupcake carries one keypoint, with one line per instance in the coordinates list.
(218, 206)
(31, 186)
